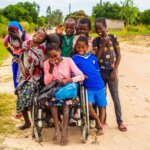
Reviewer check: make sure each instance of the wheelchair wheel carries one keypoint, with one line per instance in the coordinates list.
(36, 127)
(85, 134)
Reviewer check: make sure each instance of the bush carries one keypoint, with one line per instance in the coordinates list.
(28, 27)
(3, 30)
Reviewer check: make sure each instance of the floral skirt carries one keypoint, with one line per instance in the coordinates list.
(26, 94)
(68, 102)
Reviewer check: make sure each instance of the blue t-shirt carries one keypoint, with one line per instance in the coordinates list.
(89, 66)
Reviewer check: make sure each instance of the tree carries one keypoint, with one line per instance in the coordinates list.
(54, 17)
(32, 8)
(107, 10)
(22, 12)
(145, 17)
(41, 21)
(13, 12)
(129, 12)
(3, 20)
(48, 17)
(77, 15)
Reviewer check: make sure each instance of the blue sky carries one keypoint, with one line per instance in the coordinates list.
(63, 5)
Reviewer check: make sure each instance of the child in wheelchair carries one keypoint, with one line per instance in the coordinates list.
(60, 68)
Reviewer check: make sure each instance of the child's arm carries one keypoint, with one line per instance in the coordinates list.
(118, 54)
(6, 44)
(48, 76)
(118, 58)
(78, 74)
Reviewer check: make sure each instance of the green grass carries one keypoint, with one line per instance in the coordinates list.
(4, 54)
(7, 107)
(131, 30)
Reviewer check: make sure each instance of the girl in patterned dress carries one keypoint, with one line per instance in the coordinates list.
(30, 64)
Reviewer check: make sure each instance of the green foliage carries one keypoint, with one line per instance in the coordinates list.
(33, 10)
(3, 30)
(7, 106)
(130, 30)
(129, 12)
(3, 53)
(77, 15)
(41, 21)
(28, 27)
(107, 10)
(3, 20)
(145, 17)
(22, 11)
(11, 12)
(53, 18)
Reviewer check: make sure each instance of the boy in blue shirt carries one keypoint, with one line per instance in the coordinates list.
(94, 84)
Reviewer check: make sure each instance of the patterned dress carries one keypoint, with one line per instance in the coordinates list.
(33, 58)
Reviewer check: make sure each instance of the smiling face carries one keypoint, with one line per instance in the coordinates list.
(55, 56)
(39, 37)
(100, 29)
(83, 29)
(69, 28)
(81, 48)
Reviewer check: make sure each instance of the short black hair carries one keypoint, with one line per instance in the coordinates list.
(86, 21)
(101, 20)
(52, 46)
(80, 39)
(53, 38)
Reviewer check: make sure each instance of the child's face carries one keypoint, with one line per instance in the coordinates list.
(83, 29)
(81, 48)
(69, 28)
(55, 56)
(100, 29)
(39, 37)
(12, 33)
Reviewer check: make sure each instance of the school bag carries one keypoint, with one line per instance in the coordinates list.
(68, 91)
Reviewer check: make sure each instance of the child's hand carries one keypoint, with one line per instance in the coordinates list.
(105, 40)
(51, 61)
(25, 72)
(65, 81)
(112, 76)
(93, 52)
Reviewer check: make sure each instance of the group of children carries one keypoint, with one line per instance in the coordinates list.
(93, 61)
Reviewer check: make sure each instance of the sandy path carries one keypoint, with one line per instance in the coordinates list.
(135, 99)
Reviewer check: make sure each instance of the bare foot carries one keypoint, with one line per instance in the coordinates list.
(99, 132)
(64, 138)
(25, 126)
(57, 136)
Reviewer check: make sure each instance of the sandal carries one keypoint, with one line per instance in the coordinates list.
(122, 128)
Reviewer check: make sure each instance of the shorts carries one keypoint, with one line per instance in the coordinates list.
(97, 98)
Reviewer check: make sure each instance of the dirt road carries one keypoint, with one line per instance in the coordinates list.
(135, 99)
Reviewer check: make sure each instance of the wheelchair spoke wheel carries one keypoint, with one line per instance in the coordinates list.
(85, 134)
(36, 129)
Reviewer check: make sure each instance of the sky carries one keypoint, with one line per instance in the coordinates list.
(63, 5)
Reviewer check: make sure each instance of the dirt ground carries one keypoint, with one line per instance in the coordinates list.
(134, 87)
